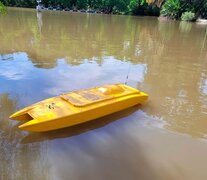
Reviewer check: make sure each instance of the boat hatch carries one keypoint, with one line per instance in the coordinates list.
(90, 96)
(83, 98)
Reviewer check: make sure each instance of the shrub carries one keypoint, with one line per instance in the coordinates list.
(137, 6)
(171, 8)
(188, 16)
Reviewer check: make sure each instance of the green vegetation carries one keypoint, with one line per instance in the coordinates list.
(2, 8)
(186, 10)
(135, 7)
(188, 16)
(19, 3)
(171, 8)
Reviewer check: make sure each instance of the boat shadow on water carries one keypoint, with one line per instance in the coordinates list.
(77, 129)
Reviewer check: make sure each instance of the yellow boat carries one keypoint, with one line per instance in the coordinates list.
(78, 107)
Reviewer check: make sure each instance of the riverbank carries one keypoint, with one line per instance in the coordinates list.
(92, 11)
(106, 7)
(173, 9)
(202, 21)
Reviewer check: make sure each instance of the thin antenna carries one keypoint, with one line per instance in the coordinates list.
(127, 74)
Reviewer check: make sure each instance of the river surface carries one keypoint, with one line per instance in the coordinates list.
(49, 53)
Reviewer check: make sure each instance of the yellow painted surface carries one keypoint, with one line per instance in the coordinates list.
(78, 107)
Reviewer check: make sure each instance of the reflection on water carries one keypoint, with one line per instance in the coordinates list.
(17, 161)
(49, 53)
(185, 27)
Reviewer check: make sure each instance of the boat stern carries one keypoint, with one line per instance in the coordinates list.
(22, 115)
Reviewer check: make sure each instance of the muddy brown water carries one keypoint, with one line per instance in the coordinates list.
(49, 53)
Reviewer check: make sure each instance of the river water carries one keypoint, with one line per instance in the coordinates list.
(49, 53)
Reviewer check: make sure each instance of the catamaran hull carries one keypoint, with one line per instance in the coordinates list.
(84, 116)
(78, 107)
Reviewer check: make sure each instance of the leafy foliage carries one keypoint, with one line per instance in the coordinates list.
(171, 8)
(136, 5)
(19, 3)
(175, 8)
(199, 7)
(2, 8)
(188, 16)
(142, 7)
